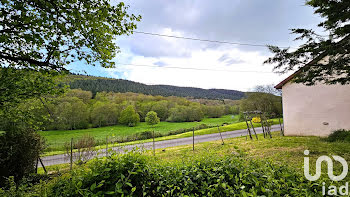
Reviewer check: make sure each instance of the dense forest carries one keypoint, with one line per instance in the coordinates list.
(79, 109)
(99, 84)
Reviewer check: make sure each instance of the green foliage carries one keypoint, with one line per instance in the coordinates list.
(315, 47)
(85, 96)
(98, 84)
(104, 114)
(136, 175)
(152, 118)
(214, 111)
(21, 84)
(71, 113)
(53, 34)
(19, 150)
(267, 103)
(339, 136)
(129, 116)
(182, 113)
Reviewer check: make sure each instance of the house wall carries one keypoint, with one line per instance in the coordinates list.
(315, 110)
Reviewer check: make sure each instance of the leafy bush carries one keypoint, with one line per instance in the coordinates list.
(339, 135)
(185, 114)
(138, 175)
(152, 118)
(19, 150)
(129, 116)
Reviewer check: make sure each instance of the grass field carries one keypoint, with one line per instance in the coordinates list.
(56, 139)
(288, 151)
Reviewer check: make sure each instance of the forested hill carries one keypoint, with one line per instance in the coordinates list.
(99, 84)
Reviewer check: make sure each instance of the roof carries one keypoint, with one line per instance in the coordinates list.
(317, 59)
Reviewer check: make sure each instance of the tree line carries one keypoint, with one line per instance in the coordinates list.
(79, 109)
(100, 84)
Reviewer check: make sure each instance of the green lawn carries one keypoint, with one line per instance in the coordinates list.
(56, 139)
(281, 150)
(230, 127)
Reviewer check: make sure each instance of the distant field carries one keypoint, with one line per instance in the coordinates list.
(58, 138)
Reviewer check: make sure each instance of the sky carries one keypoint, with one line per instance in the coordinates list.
(162, 60)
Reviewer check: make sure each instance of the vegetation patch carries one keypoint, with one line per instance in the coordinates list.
(339, 136)
(209, 175)
(121, 133)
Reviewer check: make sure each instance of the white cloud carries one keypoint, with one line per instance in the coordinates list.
(225, 78)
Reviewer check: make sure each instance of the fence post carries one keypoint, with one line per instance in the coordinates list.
(154, 146)
(193, 139)
(282, 131)
(71, 153)
(221, 135)
(107, 146)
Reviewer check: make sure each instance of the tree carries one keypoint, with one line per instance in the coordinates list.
(161, 108)
(129, 116)
(335, 46)
(71, 113)
(152, 118)
(37, 40)
(270, 89)
(263, 102)
(85, 96)
(103, 114)
(51, 34)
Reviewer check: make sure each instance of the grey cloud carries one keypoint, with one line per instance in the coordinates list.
(160, 63)
(228, 60)
(224, 57)
(234, 61)
(257, 22)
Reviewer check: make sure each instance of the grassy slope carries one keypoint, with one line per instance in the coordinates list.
(60, 137)
(280, 150)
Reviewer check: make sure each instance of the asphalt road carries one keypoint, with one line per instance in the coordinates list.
(60, 159)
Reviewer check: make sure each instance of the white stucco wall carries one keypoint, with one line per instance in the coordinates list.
(308, 109)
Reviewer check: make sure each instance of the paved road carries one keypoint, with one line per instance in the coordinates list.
(60, 159)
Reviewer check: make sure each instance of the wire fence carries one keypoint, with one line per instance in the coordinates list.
(76, 151)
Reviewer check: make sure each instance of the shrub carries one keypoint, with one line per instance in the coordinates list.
(133, 174)
(19, 151)
(339, 135)
(185, 114)
(129, 117)
(85, 147)
(152, 118)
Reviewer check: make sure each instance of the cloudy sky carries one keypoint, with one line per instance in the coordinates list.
(163, 60)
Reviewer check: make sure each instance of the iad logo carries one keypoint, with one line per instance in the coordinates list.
(330, 167)
(332, 190)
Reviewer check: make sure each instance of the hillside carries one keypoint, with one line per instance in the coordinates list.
(99, 84)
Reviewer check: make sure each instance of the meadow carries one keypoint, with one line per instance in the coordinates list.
(56, 139)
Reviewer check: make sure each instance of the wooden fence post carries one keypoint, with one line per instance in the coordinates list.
(154, 146)
(193, 138)
(282, 131)
(71, 153)
(107, 146)
(221, 135)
